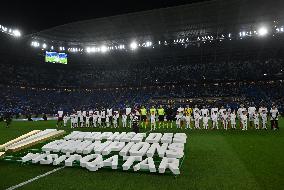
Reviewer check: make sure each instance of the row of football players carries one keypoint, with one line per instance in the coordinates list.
(227, 118)
(183, 115)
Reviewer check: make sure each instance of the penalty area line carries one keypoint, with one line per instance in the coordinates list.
(35, 178)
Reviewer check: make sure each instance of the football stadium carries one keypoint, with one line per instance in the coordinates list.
(153, 95)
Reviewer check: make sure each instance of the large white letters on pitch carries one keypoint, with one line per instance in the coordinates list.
(88, 149)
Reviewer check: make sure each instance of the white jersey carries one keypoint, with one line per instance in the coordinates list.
(116, 113)
(72, 118)
(251, 110)
(115, 117)
(225, 116)
(197, 116)
(262, 110)
(124, 117)
(256, 118)
(80, 116)
(244, 118)
(240, 111)
(214, 111)
(95, 118)
(180, 109)
(233, 118)
(214, 117)
(109, 112)
(60, 114)
(87, 119)
(204, 112)
(128, 111)
(264, 117)
(153, 118)
(84, 113)
(222, 112)
(103, 114)
(178, 119)
(194, 111)
(65, 118)
(99, 119)
(76, 118)
(274, 114)
(107, 119)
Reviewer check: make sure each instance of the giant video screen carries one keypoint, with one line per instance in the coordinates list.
(55, 57)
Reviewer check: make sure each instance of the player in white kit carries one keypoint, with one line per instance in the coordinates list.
(240, 113)
(214, 117)
(205, 117)
(197, 118)
(244, 121)
(107, 121)
(115, 119)
(95, 119)
(72, 118)
(178, 120)
(251, 112)
(59, 119)
(65, 120)
(153, 120)
(233, 119)
(99, 120)
(76, 120)
(225, 119)
(124, 120)
(256, 119)
(274, 117)
(87, 120)
(264, 118)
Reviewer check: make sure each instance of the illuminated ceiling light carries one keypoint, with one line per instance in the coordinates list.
(17, 33)
(43, 46)
(104, 49)
(88, 49)
(52, 47)
(262, 31)
(148, 44)
(35, 44)
(133, 45)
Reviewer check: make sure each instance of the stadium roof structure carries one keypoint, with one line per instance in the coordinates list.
(192, 20)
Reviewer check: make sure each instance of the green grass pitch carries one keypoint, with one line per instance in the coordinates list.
(214, 159)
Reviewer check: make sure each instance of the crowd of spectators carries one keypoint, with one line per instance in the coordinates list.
(36, 88)
(26, 100)
(92, 76)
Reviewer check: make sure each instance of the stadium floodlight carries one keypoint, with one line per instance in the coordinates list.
(35, 44)
(262, 31)
(104, 49)
(133, 46)
(148, 44)
(16, 33)
(43, 46)
(51, 47)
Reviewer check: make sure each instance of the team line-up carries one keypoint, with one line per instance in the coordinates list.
(165, 117)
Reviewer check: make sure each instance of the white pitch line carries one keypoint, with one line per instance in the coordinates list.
(34, 179)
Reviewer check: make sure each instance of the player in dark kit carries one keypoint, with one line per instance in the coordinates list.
(169, 112)
(7, 119)
(135, 124)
